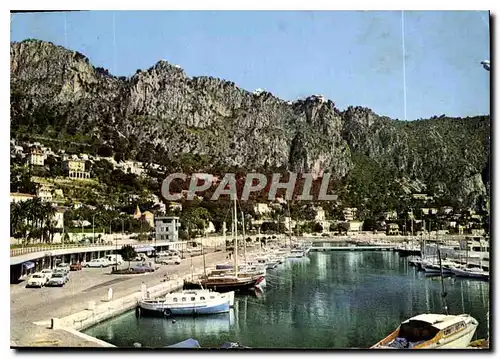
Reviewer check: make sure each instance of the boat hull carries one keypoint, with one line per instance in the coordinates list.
(469, 274)
(161, 309)
(433, 269)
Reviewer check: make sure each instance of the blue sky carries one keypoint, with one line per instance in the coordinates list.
(351, 57)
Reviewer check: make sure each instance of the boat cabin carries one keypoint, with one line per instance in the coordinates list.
(190, 296)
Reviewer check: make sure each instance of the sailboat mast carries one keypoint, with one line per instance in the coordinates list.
(203, 251)
(466, 252)
(422, 253)
(443, 293)
(235, 238)
(244, 239)
(289, 224)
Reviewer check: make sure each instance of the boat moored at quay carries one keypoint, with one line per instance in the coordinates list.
(188, 303)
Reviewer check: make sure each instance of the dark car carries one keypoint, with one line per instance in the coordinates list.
(75, 266)
(142, 269)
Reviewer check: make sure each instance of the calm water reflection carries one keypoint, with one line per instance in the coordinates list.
(329, 300)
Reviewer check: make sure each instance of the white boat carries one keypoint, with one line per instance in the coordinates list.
(189, 302)
(432, 267)
(296, 253)
(431, 331)
(477, 273)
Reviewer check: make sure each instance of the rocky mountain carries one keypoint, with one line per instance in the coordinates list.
(162, 115)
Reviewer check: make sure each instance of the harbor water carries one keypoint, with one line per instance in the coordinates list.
(327, 300)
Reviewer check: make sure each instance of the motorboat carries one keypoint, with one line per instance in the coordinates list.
(431, 331)
(188, 302)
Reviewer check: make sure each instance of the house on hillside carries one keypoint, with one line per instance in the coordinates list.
(349, 213)
(17, 197)
(76, 168)
(36, 157)
(355, 226)
(261, 209)
(45, 193)
(392, 229)
(320, 214)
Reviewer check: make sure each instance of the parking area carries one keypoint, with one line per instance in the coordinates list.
(29, 305)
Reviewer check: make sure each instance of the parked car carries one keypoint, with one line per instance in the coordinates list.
(47, 273)
(37, 280)
(58, 279)
(143, 268)
(97, 263)
(75, 266)
(61, 270)
(63, 266)
(170, 260)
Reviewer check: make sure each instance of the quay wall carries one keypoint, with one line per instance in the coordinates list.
(109, 309)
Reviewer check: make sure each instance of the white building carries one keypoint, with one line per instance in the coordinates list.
(210, 228)
(17, 197)
(45, 194)
(261, 208)
(37, 158)
(350, 213)
(167, 228)
(320, 214)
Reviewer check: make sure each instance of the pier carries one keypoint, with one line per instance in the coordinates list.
(351, 248)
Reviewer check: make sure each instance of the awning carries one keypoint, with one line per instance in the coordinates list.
(28, 265)
(144, 249)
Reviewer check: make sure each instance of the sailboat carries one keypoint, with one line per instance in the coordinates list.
(466, 272)
(232, 279)
(432, 331)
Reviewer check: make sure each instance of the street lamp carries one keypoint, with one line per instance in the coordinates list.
(116, 239)
(93, 232)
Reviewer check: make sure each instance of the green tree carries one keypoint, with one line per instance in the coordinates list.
(128, 253)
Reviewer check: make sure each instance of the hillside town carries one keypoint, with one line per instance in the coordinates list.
(79, 209)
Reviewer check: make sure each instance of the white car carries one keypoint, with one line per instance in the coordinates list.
(47, 273)
(61, 270)
(58, 279)
(64, 266)
(37, 280)
(97, 263)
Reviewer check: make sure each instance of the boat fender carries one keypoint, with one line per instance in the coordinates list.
(137, 311)
(167, 312)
